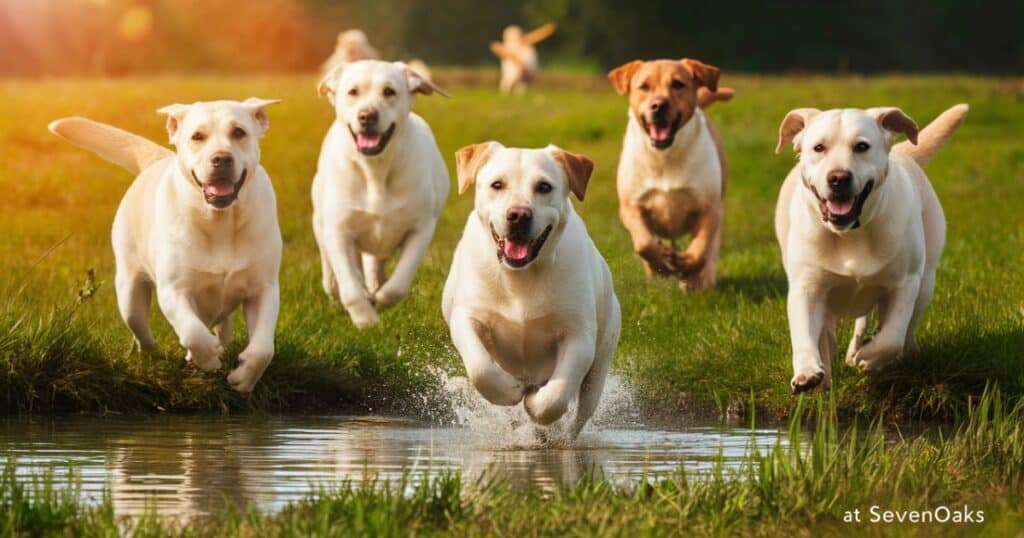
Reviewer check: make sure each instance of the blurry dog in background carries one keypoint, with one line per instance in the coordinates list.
(518, 56)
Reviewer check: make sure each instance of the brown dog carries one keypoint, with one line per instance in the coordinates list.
(672, 172)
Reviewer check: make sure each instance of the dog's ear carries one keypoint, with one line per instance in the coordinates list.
(419, 83)
(621, 75)
(706, 75)
(175, 113)
(577, 168)
(328, 85)
(792, 125)
(470, 159)
(893, 120)
(256, 107)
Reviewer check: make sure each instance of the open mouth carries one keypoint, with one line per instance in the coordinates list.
(843, 213)
(662, 132)
(517, 253)
(220, 192)
(372, 143)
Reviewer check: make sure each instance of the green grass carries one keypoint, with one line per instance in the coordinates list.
(705, 352)
(805, 487)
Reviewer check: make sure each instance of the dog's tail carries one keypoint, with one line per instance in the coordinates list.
(934, 135)
(706, 97)
(129, 151)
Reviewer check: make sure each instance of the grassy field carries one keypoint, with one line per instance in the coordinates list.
(810, 488)
(63, 346)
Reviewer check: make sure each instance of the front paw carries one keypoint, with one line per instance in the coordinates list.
(807, 379)
(877, 354)
(686, 264)
(660, 258)
(547, 404)
(363, 314)
(204, 352)
(251, 365)
(389, 294)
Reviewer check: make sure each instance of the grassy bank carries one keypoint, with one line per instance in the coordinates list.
(714, 350)
(806, 488)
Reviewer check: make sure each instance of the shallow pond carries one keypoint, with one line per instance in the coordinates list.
(192, 465)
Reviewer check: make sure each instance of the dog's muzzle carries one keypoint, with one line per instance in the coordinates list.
(842, 212)
(220, 192)
(518, 252)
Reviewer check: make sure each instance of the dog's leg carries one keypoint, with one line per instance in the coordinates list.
(204, 349)
(692, 262)
(827, 350)
(656, 257)
(260, 321)
(490, 379)
(413, 249)
(894, 314)
(593, 383)
(860, 330)
(575, 359)
(699, 261)
(134, 292)
(346, 262)
(805, 306)
(226, 331)
(373, 272)
(330, 284)
(924, 298)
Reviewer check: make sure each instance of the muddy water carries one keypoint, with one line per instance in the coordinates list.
(192, 465)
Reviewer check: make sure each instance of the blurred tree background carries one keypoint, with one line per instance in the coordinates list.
(120, 37)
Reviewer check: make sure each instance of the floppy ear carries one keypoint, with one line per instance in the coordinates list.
(621, 75)
(792, 125)
(256, 107)
(470, 159)
(705, 75)
(893, 121)
(419, 83)
(174, 113)
(577, 168)
(328, 85)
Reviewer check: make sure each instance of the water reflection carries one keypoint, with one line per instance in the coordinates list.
(188, 466)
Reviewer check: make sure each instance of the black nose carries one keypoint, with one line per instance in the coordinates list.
(222, 159)
(839, 178)
(519, 215)
(658, 105)
(368, 117)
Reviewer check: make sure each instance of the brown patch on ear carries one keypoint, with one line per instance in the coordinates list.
(895, 120)
(469, 160)
(621, 75)
(421, 84)
(704, 74)
(794, 122)
(577, 168)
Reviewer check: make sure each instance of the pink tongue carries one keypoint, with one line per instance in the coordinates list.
(516, 251)
(367, 141)
(659, 134)
(840, 208)
(218, 189)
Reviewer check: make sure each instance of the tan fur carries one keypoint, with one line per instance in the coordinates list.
(127, 150)
(518, 56)
(932, 137)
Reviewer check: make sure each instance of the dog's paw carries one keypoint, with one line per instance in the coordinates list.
(363, 315)
(807, 379)
(206, 359)
(251, 365)
(497, 386)
(389, 294)
(686, 264)
(547, 404)
(660, 258)
(876, 355)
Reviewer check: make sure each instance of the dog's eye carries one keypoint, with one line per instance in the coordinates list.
(498, 185)
(389, 92)
(238, 132)
(819, 148)
(353, 92)
(544, 187)
(861, 147)
(678, 85)
(198, 136)
(643, 87)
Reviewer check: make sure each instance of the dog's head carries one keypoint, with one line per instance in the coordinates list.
(218, 144)
(844, 156)
(373, 99)
(663, 93)
(522, 195)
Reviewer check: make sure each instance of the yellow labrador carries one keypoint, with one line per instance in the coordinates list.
(518, 56)
(199, 226)
(529, 299)
(860, 229)
(379, 187)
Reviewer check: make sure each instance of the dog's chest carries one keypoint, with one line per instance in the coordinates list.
(670, 212)
(525, 348)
